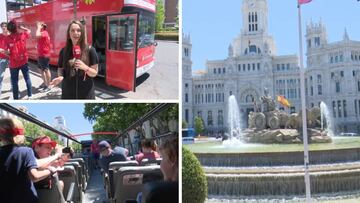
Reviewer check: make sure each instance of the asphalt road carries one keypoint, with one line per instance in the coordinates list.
(159, 83)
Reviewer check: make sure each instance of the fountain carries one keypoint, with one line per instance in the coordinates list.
(234, 118)
(328, 118)
(234, 138)
(275, 167)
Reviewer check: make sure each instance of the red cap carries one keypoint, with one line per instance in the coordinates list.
(44, 140)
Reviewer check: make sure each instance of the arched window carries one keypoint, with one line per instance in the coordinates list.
(249, 98)
(252, 49)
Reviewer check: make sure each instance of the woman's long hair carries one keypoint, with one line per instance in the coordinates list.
(12, 27)
(82, 43)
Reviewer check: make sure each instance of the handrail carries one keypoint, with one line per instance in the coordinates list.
(23, 115)
(149, 114)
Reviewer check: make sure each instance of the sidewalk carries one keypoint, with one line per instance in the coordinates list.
(36, 80)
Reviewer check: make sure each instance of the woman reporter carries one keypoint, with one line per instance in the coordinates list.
(77, 75)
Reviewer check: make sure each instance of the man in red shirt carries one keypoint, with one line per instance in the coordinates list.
(95, 153)
(16, 44)
(43, 48)
(4, 59)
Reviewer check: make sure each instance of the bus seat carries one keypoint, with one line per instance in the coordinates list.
(52, 194)
(115, 166)
(87, 160)
(146, 162)
(68, 176)
(131, 179)
(84, 174)
(160, 192)
(79, 173)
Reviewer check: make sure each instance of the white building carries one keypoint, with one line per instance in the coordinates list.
(60, 125)
(332, 74)
(3, 17)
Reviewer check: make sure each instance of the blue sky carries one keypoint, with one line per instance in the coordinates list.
(72, 112)
(213, 26)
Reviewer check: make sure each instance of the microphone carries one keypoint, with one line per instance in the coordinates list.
(76, 52)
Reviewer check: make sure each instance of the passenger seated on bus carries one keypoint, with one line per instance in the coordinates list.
(18, 168)
(147, 146)
(169, 151)
(169, 165)
(76, 75)
(43, 147)
(109, 155)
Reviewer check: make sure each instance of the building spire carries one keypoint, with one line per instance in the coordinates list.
(346, 36)
(230, 51)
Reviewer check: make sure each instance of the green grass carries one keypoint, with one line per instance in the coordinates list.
(352, 200)
(216, 146)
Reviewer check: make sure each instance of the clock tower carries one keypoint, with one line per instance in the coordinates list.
(254, 37)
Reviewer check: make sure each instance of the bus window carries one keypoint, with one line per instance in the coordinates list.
(146, 29)
(121, 37)
(99, 41)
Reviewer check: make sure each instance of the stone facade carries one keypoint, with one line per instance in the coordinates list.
(332, 75)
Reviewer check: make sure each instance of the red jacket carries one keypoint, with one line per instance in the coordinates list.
(16, 43)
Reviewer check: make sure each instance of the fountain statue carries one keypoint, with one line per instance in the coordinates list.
(276, 126)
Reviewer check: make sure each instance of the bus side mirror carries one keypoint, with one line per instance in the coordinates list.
(155, 43)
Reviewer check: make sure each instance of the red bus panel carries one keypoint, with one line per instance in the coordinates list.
(121, 48)
(57, 14)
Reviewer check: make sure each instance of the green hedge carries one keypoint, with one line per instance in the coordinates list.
(174, 36)
(194, 189)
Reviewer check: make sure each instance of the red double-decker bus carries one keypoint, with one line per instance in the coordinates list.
(122, 32)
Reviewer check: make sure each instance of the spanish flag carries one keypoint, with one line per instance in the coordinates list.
(282, 100)
(304, 1)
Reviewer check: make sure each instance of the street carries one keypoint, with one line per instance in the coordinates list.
(159, 83)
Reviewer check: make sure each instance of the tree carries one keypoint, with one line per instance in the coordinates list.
(199, 125)
(184, 124)
(159, 16)
(117, 117)
(193, 179)
(33, 130)
(177, 17)
(76, 146)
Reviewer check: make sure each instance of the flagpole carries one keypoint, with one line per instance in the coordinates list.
(303, 110)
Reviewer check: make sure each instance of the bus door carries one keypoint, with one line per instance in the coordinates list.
(121, 51)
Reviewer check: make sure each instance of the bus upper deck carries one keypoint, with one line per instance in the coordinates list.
(124, 181)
